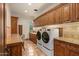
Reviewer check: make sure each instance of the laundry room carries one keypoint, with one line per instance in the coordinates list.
(40, 29)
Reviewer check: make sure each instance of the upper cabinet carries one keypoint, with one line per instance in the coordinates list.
(77, 11)
(73, 12)
(69, 13)
(62, 13)
(58, 16)
(66, 12)
(51, 17)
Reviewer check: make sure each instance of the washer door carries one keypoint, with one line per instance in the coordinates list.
(45, 37)
(38, 35)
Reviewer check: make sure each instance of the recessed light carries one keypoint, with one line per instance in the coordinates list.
(25, 10)
(35, 9)
(29, 4)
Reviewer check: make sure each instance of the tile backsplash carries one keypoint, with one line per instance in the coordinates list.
(71, 30)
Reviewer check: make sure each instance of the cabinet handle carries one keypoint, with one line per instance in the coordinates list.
(67, 21)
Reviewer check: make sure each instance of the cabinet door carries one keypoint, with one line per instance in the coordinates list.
(15, 50)
(66, 13)
(41, 20)
(73, 12)
(59, 51)
(59, 48)
(77, 11)
(51, 17)
(57, 16)
(45, 20)
(61, 14)
(74, 50)
(38, 22)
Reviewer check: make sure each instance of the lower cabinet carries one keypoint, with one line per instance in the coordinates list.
(33, 38)
(62, 48)
(59, 48)
(59, 51)
(15, 49)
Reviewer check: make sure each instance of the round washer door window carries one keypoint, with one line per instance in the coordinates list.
(45, 37)
(38, 35)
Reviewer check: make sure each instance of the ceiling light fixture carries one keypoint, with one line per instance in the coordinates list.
(29, 4)
(25, 10)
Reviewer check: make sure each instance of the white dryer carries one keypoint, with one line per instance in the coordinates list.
(39, 38)
(48, 40)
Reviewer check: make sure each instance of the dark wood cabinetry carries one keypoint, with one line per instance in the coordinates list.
(77, 11)
(69, 13)
(65, 13)
(51, 17)
(73, 12)
(15, 49)
(33, 38)
(57, 16)
(73, 50)
(62, 48)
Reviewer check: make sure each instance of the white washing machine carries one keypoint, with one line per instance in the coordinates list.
(48, 37)
(39, 38)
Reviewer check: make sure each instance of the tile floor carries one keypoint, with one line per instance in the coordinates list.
(31, 49)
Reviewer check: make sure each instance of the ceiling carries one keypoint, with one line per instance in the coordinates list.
(19, 9)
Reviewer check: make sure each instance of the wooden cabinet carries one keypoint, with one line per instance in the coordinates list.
(51, 17)
(77, 11)
(15, 49)
(57, 16)
(41, 21)
(62, 48)
(69, 12)
(73, 53)
(14, 25)
(73, 50)
(65, 13)
(33, 38)
(73, 12)
(59, 48)
(46, 21)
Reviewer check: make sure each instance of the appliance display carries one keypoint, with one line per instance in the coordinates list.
(47, 37)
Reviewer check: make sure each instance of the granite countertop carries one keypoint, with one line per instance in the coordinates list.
(70, 40)
(15, 38)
